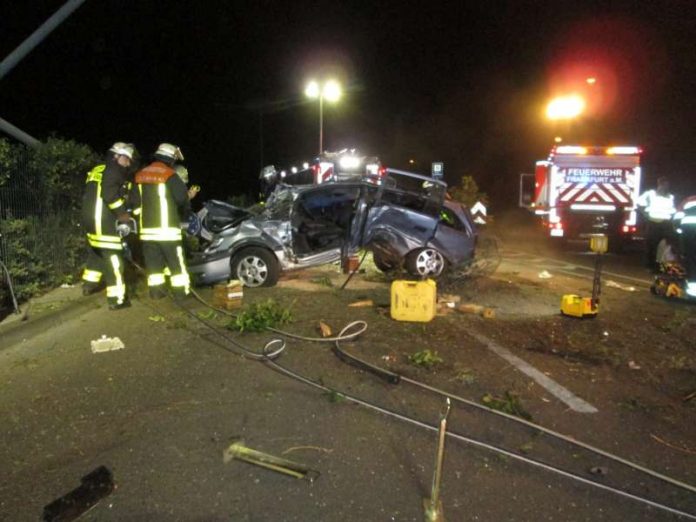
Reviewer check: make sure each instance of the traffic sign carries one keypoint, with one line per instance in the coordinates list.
(438, 170)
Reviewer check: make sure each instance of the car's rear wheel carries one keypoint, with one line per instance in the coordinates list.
(426, 262)
(381, 264)
(255, 267)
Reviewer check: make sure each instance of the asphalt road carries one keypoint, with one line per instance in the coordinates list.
(160, 412)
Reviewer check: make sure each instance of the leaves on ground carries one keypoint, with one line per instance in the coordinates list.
(509, 403)
(156, 318)
(425, 359)
(260, 316)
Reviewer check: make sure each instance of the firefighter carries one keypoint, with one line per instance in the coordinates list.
(161, 204)
(657, 208)
(105, 219)
(685, 221)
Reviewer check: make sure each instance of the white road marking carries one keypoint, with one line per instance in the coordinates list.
(574, 402)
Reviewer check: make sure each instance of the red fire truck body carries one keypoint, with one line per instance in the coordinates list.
(579, 190)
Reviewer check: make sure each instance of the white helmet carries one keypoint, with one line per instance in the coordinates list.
(182, 172)
(170, 151)
(124, 149)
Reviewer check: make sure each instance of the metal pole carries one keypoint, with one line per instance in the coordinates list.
(433, 506)
(37, 36)
(18, 134)
(321, 123)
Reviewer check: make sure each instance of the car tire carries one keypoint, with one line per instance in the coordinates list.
(255, 267)
(426, 262)
(382, 265)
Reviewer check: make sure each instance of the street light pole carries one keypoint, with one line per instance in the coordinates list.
(321, 124)
(331, 90)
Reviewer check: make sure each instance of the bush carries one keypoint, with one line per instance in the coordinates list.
(467, 192)
(40, 198)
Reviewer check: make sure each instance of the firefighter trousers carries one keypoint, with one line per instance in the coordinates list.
(107, 265)
(655, 231)
(166, 258)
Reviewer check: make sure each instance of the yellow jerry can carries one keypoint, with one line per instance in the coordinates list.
(413, 300)
(576, 306)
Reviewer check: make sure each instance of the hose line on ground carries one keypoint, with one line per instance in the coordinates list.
(395, 378)
(270, 353)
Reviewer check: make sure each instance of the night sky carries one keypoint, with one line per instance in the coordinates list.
(461, 82)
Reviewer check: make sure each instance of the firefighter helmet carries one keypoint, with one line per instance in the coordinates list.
(182, 172)
(169, 151)
(123, 149)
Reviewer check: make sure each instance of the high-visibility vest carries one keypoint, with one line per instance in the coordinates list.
(158, 213)
(657, 207)
(99, 223)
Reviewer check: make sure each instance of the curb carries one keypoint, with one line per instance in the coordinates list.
(18, 331)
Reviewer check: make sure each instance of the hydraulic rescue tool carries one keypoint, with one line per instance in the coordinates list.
(575, 306)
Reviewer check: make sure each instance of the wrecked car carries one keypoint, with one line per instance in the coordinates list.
(404, 222)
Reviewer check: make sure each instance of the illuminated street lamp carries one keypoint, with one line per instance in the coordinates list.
(565, 107)
(331, 92)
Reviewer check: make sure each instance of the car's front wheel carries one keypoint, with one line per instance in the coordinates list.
(426, 262)
(255, 266)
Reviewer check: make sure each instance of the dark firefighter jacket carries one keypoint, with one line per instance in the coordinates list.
(160, 202)
(102, 202)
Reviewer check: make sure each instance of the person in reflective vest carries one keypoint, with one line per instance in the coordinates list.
(657, 208)
(104, 219)
(685, 221)
(161, 203)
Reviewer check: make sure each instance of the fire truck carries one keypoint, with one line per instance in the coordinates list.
(578, 191)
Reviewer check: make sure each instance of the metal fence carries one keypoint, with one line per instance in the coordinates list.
(33, 225)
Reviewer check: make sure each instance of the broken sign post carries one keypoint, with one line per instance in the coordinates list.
(433, 505)
(239, 451)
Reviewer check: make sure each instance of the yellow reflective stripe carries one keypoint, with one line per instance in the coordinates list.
(164, 207)
(95, 174)
(137, 211)
(140, 190)
(160, 234)
(155, 279)
(91, 275)
(104, 239)
(117, 203)
(119, 289)
(98, 212)
(167, 272)
(182, 279)
(104, 244)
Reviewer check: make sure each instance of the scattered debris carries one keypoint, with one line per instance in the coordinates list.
(390, 358)
(470, 308)
(239, 451)
(94, 487)
(157, 318)
(633, 366)
(450, 299)
(509, 403)
(614, 284)
(66, 285)
(324, 329)
(106, 344)
(362, 304)
(544, 274)
(685, 450)
(297, 448)
(229, 295)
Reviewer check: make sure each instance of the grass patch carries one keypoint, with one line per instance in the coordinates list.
(509, 403)
(425, 359)
(322, 281)
(257, 317)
